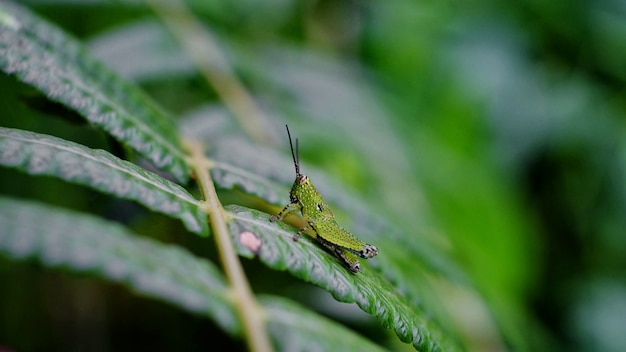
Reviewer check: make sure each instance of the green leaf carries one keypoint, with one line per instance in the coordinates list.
(255, 169)
(81, 243)
(35, 154)
(60, 238)
(45, 57)
(296, 328)
(264, 172)
(306, 260)
(156, 54)
(261, 171)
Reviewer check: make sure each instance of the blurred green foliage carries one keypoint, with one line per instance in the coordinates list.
(505, 122)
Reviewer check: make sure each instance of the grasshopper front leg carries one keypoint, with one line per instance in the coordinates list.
(288, 210)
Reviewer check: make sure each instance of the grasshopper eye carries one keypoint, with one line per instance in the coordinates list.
(304, 179)
(320, 207)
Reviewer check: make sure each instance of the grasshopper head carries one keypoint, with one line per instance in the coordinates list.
(301, 188)
(302, 180)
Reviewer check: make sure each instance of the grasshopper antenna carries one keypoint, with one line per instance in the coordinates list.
(296, 156)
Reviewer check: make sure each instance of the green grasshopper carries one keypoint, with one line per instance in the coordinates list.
(305, 198)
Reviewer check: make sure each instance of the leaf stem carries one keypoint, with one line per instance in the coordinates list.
(250, 313)
(209, 58)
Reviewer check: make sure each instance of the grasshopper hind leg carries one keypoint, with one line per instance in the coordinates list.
(368, 251)
(299, 233)
(348, 259)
